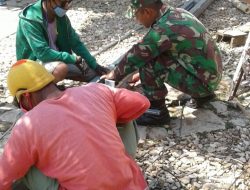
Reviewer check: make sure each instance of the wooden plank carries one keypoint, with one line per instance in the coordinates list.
(234, 37)
(238, 41)
(232, 33)
(239, 70)
(243, 59)
(244, 28)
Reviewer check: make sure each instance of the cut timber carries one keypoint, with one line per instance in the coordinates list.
(240, 69)
(243, 59)
(196, 7)
(234, 37)
(245, 7)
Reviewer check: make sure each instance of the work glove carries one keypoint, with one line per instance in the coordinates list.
(100, 70)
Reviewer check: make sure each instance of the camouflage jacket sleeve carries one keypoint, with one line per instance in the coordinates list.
(141, 53)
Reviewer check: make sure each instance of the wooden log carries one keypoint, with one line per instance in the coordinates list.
(196, 7)
(245, 7)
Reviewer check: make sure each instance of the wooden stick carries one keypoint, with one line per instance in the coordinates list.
(238, 73)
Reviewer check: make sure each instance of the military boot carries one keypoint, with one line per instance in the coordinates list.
(199, 102)
(157, 114)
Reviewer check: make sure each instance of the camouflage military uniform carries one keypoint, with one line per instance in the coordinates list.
(177, 50)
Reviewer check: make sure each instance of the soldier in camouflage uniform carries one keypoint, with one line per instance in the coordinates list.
(177, 50)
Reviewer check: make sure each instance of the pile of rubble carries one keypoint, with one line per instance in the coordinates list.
(206, 148)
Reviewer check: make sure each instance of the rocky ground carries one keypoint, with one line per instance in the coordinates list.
(203, 149)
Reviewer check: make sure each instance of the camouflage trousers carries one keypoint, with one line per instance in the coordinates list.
(175, 75)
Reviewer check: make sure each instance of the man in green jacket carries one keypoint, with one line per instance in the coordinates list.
(45, 34)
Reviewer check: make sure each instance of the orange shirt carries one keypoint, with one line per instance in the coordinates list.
(74, 139)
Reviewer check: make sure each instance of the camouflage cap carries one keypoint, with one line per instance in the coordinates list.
(136, 4)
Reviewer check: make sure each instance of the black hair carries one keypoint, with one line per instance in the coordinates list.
(15, 102)
(157, 4)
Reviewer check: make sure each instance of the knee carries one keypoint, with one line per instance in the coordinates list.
(60, 72)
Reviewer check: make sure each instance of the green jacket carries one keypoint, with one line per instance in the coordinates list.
(32, 41)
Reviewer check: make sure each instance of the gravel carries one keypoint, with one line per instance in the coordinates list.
(209, 160)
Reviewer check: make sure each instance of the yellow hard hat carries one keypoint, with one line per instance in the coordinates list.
(27, 76)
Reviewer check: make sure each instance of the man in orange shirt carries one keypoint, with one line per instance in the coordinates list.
(68, 139)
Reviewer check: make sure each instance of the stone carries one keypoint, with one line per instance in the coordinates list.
(142, 132)
(220, 107)
(185, 180)
(11, 116)
(239, 122)
(209, 186)
(195, 121)
(4, 126)
(157, 133)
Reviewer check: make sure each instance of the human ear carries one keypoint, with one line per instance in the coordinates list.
(147, 11)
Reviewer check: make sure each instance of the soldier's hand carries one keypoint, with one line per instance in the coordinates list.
(100, 70)
(135, 78)
(110, 75)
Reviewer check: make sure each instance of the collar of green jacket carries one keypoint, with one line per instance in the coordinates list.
(164, 9)
(34, 13)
